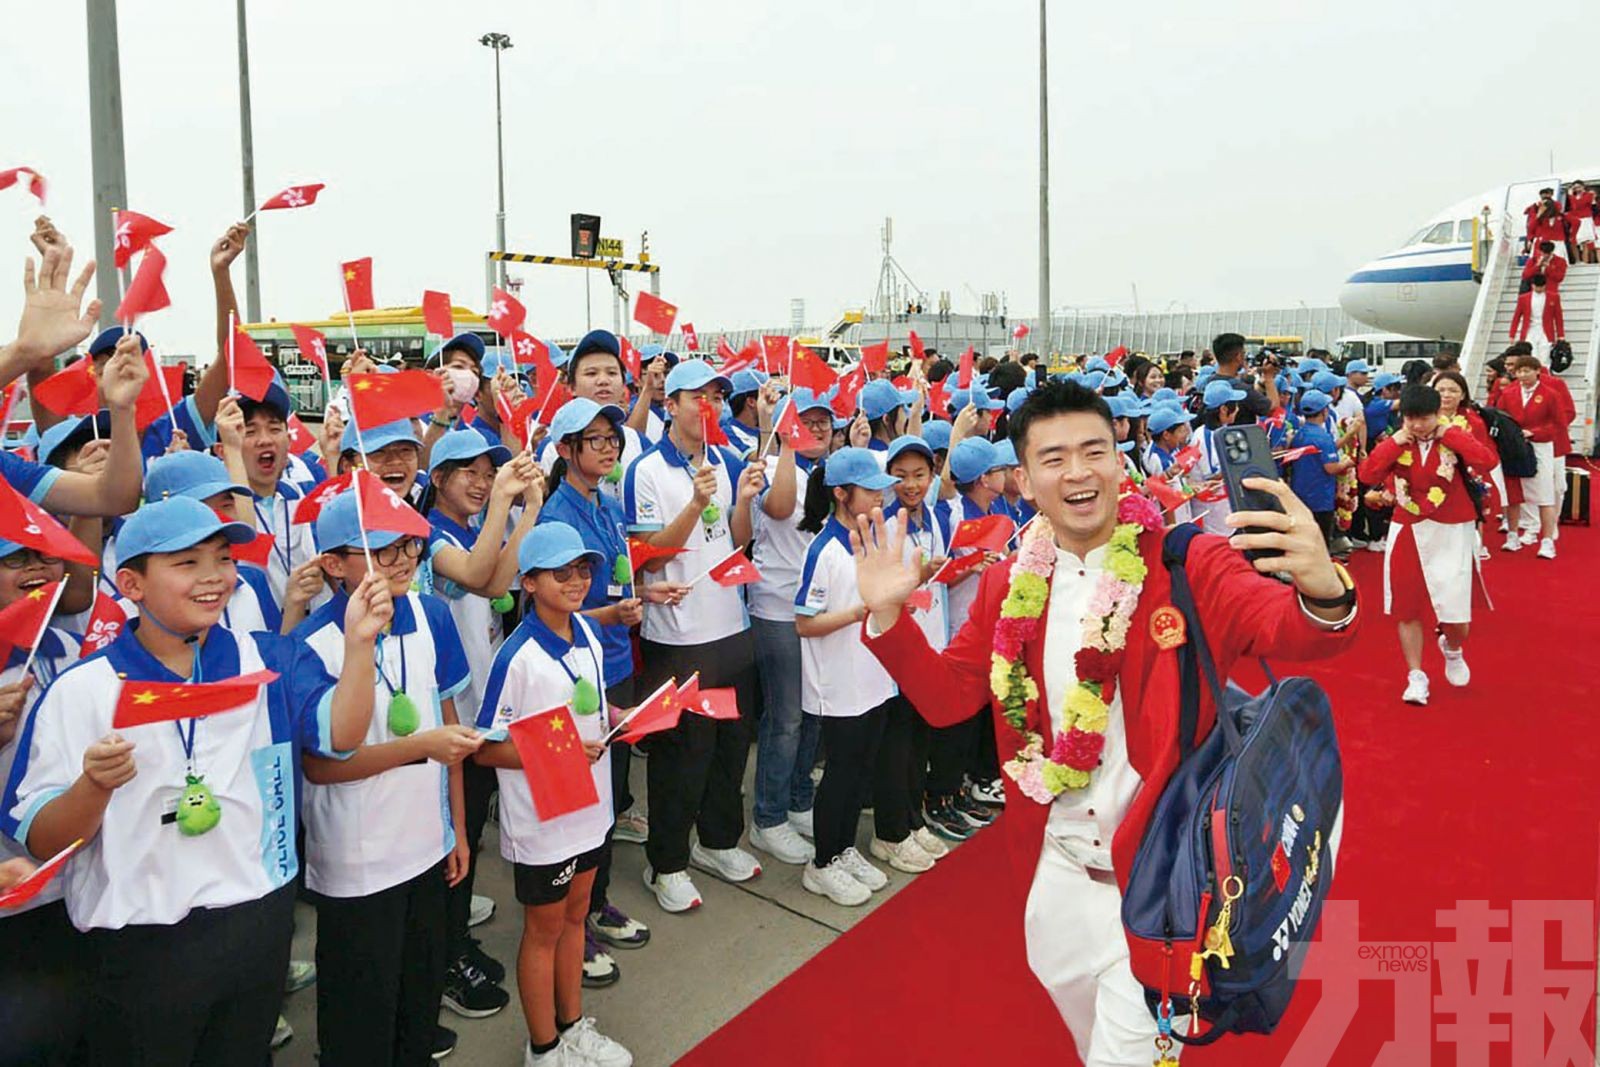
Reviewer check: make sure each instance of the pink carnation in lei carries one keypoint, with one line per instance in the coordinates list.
(1011, 633)
(1038, 553)
(1109, 593)
(1137, 508)
(1027, 770)
(1078, 749)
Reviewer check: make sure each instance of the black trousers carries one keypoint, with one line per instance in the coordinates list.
(853, 743)
(983, 764)
(202, 991)
(917, 772)
(380, 973)
(478, 785)
(695, 771)
(620, 695)
(44, 988)
(950, 750)
(892, 775)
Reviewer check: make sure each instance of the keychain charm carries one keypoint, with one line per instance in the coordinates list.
(403, 716)
(585, 698)
(621, 571)
(198, 810)
(711, 514)
(502, 603)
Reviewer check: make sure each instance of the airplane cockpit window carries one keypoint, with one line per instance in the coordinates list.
(1464, 230)
(1442, 234)
(1416, 238)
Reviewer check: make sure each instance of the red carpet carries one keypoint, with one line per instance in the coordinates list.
(1486, 794)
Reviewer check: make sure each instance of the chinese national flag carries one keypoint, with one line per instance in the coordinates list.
(310, 506)
(105, 623)
(74, 391)
(134, 234)
(990, 533)
(8, 178)
(506, 312)
(1164, 492)
(714, 704)
(27, 888)
(142, 703)
(964, 371)
(659, 711)
(850, 385)
(1116, 355)
(939, 398)
(313, 345)
(146, 292)
(876, 357)
(557, 395)
(25, 523)
(918, 350)
(379, 398)
(775, 352)
(654, 313)
(9, 395)
(436, 314)
(792, 431)
(711, 422)
(252, 374)
(735, 570)
(630, 358)
(159, 389)
(956, 568)
(25, 619)
(733, 362)
(810, 370)
(258, 551)
(358, 284)
(691, 340)
(554, 763)
(294, 196)
(382, 509)
(641, 552)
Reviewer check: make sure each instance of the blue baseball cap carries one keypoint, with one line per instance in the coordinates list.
(500, 360)
(376, 437)
(553, 544)
(173, 525)
(907, 442)
(1116, 377)
(1387, 378)
(805, 399)
(1093, 379)
(468, 445)
(1166, 394)
(654, 351)
(575, 416)
(1357, 366)
(971, 459)
(1310, 365)
(339, 526)
(937, 435)
(1166, 417)
(467, 342)
(1098, 363)
(1005, 454)
(879, 398)
(1327, 381)
(1314, 401)
(8, 547)
(194, 474)
(856, 466)
(1016, 398)
(694, 374)
(1122, 407)
(745, 382)
(278, 398)
(597, 341)
(1222, 392)
(977, 397)
(72, 433)
(558, 355)
(107, 339)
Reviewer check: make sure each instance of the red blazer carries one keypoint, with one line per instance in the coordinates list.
(1554, 326)
(1580, 206)
(1552, 266)
(1553, 228)
(1542, 415)
(1421, 474)
(1245, 614)
(1564, 407)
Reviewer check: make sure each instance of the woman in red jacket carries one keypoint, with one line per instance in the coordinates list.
(1538, 409)
(1455, 399)
(1433, 538)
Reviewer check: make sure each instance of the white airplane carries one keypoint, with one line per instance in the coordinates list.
(1425, 288)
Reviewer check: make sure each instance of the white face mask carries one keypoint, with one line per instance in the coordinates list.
(463, 383)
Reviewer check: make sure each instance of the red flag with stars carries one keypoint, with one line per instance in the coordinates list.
(293, 197)
(775, 353)
(250, 372)
(146, 292)
(142, 703)
(553, 760)
(22, 522)
(73, 391)
(735, 570)
(1163, 492)
(956, 568)
(313, 345)
(964, 371)
(358, 284)
(134, 234)
(654, 313)
(163, 385)
(506, 312)
(379, 398)
(919, 351)
(27, 888)
(642, 552)
(991, 533)
(711, 422)
(811, 370)
(25, 619)
(436, 318)
(659, 711)
(876, 357)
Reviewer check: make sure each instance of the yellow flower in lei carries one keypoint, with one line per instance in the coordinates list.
(1058, 778)
(1086, 710)
(1436, 496)
(1028, 594)
(1405, 459)
(1126, 566)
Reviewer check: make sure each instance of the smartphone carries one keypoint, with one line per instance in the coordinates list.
(1246, 453)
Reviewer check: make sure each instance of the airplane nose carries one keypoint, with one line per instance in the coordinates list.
(1353, 299)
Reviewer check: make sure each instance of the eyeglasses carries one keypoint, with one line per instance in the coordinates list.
(389, 555)
(565, 573)
(598, 442)
(21, 558)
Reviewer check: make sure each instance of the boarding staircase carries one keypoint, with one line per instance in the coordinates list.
(1489, 331)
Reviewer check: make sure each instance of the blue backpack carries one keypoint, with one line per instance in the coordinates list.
(1229, 881)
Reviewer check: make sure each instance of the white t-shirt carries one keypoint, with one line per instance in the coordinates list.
(839, 677)
(375, 833)
(780, 549)
(58, 650)
(965, 590)
(1212, 515)
(534, 671)
(658, 486)
(477, 623)
(140, 869)
(292, 541)
(926, 540)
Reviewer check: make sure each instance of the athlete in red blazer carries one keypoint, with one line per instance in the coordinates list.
(1545, 261)
(1522, 319)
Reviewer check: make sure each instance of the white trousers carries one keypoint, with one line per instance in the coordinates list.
(1077, 950)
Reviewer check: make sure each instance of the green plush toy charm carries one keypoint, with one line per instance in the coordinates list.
(711, 514)
(621, 571)
(585, 698)
(503, 603)
(198, 810)
(403, 716)
(615, 474)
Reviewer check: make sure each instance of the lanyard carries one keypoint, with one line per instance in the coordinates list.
(280, 547)
(382, 674)
(196, 675)
(572, 675)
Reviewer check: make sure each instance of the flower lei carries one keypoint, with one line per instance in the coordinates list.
(1436, 493)
(1081, 735)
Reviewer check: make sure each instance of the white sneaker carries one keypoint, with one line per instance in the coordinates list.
(930, 843)
(729, 864)
(632, 826)
(1456, 671)
(858, 868)
(783, 843)
(1530, 537)
(480, 911)
(1416, 688)
(1378, 546)
(992, 793)
(563, 1055)
(1513, 543)
(801, 821)
(903, 855)
(835, 883)
(1547, 548)
(674, 892)
(594, 1046)
(282, 1033)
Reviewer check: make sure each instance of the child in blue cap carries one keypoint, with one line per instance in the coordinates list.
(1314, 477)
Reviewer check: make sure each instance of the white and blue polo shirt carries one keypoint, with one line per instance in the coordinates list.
(139, 869)
(534, 671)
(58, 650)
(839, 676)
(369, 835)
(658, 486)
(780, 547)
(477, 623)
(32, 480)
(603, 527)
(928, 537)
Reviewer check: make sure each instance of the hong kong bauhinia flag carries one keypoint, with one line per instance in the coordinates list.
(134, 234)
(313, 345)
(146, 292)
(294, 196)
(735, 570)
(105, 623)
(506, 313)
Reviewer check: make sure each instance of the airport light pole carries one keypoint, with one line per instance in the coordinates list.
(499, 42)
(105, 143)
(1044, 186)
(247, 160)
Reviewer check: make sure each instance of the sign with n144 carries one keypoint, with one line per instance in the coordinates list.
(610, 248)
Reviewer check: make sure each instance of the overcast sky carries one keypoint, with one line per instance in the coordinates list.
(1235, 154)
